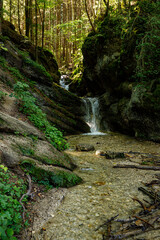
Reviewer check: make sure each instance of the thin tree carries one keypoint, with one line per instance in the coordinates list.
(90, 21)
(27, 20)
(31, 19)
(43, 22)
(107, 5)
(19, 21)
(1, 15)
(10, 11)
(36, 31)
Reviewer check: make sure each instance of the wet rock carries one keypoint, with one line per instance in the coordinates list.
(40, 150)
(17, 146)
(9, 160)
(100, 153)
(85, 147)
(10, 124)
(55, 176)
(112, 155)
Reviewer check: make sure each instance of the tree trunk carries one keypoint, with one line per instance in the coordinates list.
(36, 32)
(93, 28)
(10, 11)
(43, 22)
(107, 8)
(27, 21)
(19, 21)
(31, 19)
(1, 15)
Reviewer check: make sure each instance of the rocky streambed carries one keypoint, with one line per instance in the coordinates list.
(76, 213)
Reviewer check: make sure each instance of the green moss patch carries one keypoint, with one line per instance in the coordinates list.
(51, 176)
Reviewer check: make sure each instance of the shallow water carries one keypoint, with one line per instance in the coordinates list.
(105, 192)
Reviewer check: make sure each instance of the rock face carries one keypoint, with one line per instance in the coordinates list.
(10, 124)
(63, 108)
(23, 145)
(100, 62)
(128, 98)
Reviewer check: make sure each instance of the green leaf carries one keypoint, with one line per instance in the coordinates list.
(10, 232)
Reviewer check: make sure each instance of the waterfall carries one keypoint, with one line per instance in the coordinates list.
(92, 116)
(63, 82)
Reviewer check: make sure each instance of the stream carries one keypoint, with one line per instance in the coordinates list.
(76, 213)
(104, 193)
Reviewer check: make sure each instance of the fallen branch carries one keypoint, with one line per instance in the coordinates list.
(28, 193)
(108, 221)
(154, 168)
(130, 220)
(149, 193)
(142, 205)
(131, 233)
(142, 220)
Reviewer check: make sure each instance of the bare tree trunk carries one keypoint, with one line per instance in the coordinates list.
(64, 35)
(10, 11)
(36, 32)
(93, 28)
(19, 21)
(31, 19)
(58, 33)
(27, 20)
(43, 22)
(1, 15)
(107, 11)
(119, 5)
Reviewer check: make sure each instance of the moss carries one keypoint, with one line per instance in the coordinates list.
(55, 177)
(48, 161)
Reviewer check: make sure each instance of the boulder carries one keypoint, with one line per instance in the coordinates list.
(113, 155)
(47, 174)
(85, 147)
(10, 124)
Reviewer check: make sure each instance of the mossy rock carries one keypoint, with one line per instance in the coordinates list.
(40, 150)
(12, 125)
(49, 175)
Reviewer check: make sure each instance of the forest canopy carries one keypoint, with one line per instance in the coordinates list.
(59, 26)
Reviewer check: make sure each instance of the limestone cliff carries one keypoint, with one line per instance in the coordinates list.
(39, 102)
(121, 66)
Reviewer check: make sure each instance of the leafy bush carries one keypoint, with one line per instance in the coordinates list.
(148, 48)
(15, 72)
(36, 116)
(2, 94)
(3, 61)
(29, 61)
(11, 190)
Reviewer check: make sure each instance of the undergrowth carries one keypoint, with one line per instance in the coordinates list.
(37, 116)
(29, 61)
(11, 190)
(29, 107)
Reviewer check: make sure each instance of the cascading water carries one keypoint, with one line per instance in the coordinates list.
(63, 83)
(92, 116)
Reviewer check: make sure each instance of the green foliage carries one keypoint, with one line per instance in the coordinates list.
(29, 61)
(2, 47)
(36, 116)
(50, 178)
(3, 61)
(78, 67)
(148, 47)
(2, 95)
(11, 190)
(15, 72)
(26, 151)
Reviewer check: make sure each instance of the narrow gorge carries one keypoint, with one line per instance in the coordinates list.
(80, 143)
